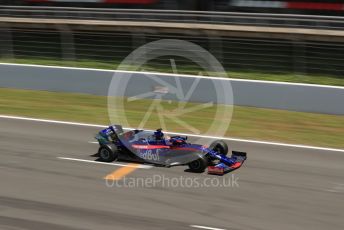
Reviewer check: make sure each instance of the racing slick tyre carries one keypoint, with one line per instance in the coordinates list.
(219, 146)
(108, 153)
(198, 165)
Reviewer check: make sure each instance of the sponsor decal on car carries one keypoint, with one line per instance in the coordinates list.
(149, 155)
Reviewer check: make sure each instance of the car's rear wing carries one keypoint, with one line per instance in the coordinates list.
(109, 134)
(118, 129)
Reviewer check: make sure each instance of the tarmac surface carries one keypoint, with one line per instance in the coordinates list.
(200, 89)
(277, 188)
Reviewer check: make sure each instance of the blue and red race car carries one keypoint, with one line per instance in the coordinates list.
(153, 147)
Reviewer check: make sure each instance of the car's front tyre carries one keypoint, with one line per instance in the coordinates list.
(219, 146)
(198, 165)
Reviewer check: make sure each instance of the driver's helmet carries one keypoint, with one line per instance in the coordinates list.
(159, 135)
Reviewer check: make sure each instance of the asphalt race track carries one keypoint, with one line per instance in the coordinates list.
(278, 187)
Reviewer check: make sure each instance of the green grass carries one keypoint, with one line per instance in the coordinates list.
(191, 69)
(247, 122)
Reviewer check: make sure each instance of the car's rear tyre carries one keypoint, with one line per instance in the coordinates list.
(198, 165)
(108, 153)
(219, 146)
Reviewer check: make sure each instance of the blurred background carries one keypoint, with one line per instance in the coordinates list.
(284, 59)
(290, 51)
(284, 41)
(322, 7)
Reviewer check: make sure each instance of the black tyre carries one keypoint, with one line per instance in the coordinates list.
(198, 165)
(220, 147)
(108, 153)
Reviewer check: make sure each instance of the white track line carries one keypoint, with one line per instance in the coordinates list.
(52, 121)
(183, 134)
(205, 227)
(262, 142)
(178, 75)
(140, 166)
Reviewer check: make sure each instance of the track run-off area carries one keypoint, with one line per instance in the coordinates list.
(50, 180)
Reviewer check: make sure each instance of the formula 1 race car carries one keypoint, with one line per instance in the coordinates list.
(154, 148)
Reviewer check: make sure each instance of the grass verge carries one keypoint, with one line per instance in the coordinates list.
(247, 122)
